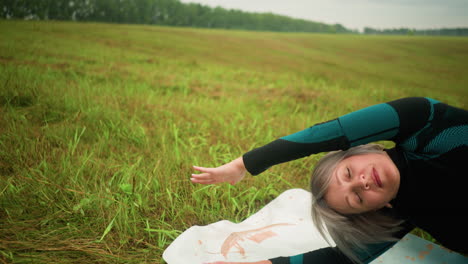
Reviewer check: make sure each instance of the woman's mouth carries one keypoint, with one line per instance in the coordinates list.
(376, 178)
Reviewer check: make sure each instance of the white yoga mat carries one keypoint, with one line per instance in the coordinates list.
(283, 228)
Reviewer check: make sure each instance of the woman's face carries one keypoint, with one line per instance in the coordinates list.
(363, 183)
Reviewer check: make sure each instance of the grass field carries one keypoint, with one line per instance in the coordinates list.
(100, 124)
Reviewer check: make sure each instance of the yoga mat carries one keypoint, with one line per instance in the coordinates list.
(284, 228)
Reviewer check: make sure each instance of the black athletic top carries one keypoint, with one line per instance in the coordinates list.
(431, 153)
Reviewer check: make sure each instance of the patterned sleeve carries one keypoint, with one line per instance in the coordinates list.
(323, 256)
(395, 120)
(331, 255)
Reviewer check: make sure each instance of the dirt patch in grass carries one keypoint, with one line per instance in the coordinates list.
(58, 66)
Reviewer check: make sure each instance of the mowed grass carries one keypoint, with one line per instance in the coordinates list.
(100, 124)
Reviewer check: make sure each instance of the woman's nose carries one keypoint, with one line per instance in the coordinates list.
(364, 181)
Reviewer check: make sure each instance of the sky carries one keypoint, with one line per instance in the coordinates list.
(357, 14)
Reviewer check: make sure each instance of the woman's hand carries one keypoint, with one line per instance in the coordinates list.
(231, 172)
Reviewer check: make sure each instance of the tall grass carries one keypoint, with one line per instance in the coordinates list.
(100, 124)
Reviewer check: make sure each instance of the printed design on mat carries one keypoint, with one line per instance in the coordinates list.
(256, 235)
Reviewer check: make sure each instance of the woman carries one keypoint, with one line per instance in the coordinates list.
(363, 194)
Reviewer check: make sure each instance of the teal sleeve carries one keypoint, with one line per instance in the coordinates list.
(395, 120)
(378, 122)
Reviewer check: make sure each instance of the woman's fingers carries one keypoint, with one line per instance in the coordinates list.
(202, 175)
(208, 175)
(202, 169)
(203, 181)
(203, 178)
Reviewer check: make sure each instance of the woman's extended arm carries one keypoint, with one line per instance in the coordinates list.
(395, 120)
(326, 255)
(322, 256)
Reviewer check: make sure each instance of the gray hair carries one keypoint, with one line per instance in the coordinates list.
(350, 232)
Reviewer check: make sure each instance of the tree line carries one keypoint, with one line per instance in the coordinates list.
(159, 12)
(425, 32)
(175, 13)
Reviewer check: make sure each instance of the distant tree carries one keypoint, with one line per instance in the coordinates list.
(368, 30)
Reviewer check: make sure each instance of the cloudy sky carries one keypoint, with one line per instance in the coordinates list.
(357, 14)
